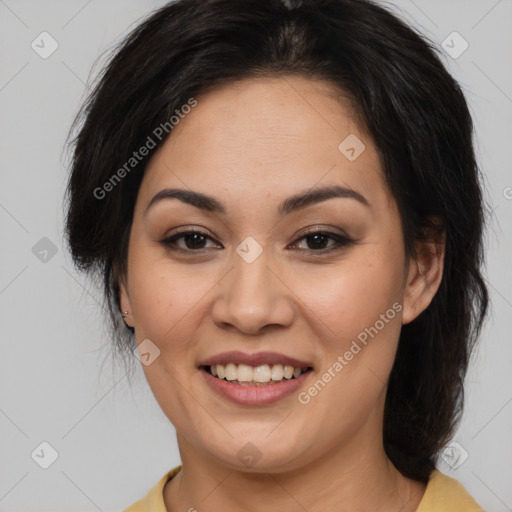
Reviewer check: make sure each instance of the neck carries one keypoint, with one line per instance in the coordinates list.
(358, 475)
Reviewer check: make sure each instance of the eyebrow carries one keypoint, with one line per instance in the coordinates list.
(291, 204)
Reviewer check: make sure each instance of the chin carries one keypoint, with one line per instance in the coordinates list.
(259, 454)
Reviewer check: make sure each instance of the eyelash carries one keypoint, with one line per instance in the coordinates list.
(342, 241)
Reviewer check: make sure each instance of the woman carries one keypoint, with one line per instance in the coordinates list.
(283, 203)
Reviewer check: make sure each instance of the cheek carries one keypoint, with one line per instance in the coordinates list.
(169, 304)
(355, 313)
(166, 303)
(165, 297)
(351, 296)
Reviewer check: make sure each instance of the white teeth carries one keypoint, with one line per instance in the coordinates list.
(244, 373)
(262, 373)
(288, 372)
(259, 375)
(277, 372)
(230, 373)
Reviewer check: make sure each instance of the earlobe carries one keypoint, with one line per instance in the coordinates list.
(124, 303)
(423, 279)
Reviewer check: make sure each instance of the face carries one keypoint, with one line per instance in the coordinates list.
(255, 269)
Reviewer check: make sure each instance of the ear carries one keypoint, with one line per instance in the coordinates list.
(424, 275)
(124, 302)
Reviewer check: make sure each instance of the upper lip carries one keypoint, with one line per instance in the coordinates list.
(256, 359)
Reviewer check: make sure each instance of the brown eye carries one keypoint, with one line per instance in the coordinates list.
(318, 241)
(193, 240)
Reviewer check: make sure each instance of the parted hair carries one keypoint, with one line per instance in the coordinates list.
(411, 106)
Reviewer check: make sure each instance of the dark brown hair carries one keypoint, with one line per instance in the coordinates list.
(413, 109)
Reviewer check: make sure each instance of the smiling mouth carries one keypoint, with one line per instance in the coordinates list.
(263, 375)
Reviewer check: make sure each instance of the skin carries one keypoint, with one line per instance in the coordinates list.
(252, 144)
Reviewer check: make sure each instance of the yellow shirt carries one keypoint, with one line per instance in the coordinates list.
(443, 494)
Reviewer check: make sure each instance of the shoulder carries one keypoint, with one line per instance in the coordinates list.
(444, 493)
(154, 499)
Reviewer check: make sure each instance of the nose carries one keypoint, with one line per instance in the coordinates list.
(253, 296)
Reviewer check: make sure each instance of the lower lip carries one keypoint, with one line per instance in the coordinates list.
(254, 395)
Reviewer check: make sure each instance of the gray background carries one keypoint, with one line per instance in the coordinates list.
(57, 383)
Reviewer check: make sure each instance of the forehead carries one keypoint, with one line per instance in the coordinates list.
(262, 135)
